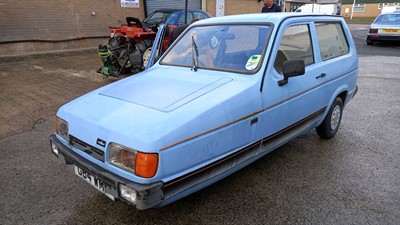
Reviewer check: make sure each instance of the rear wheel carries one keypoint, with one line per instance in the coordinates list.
(143, 50)
(370, 42)
(331, 123)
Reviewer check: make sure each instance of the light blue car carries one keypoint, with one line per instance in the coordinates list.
(228, 91)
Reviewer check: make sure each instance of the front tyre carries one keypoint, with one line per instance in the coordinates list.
(331, 123)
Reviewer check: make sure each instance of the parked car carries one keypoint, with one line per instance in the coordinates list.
(386, 27)
(173, 17)
(216, 101)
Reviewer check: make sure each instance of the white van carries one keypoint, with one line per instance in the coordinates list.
(329, 9)
(389, 9)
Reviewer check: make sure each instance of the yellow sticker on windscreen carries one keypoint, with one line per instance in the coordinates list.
(252, 62)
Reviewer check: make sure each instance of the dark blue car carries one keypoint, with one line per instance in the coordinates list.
(173, 17)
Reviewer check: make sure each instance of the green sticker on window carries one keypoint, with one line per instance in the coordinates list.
(252, 62)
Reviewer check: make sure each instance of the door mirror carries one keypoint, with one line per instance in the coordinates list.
(292, 68)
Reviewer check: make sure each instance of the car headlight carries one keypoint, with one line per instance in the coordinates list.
(140, 163)
(62, 128)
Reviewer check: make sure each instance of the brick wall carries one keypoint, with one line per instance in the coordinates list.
(39, 25)
(236, 6)
(371, 11)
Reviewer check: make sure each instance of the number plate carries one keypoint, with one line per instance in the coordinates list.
(95, 182)
(390, 30)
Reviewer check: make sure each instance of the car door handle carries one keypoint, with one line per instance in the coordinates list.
(321, 76)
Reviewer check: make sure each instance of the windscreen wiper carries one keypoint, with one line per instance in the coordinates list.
(195, 55)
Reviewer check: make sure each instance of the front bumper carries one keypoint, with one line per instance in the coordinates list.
(148, 195)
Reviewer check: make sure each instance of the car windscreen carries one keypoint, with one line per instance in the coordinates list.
(233, 47)
(157, 18)
(386, 19)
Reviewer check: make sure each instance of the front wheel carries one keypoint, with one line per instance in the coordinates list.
(331, 123)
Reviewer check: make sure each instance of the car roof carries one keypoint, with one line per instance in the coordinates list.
(264, 17)
(175, 10)
(388, 14)
(167, 10)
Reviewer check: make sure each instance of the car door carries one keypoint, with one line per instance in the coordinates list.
(297, 105)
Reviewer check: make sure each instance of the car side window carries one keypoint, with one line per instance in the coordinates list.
(332, 41)
(182, 18)
(158, 17)
(295, 44)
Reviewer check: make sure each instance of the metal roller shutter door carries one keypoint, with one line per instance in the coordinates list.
(152, 5)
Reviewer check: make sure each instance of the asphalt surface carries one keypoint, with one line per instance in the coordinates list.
(353, 178)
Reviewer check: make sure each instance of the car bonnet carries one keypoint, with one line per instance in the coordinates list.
(165, 91)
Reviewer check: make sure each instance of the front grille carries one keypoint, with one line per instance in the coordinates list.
(88, 149)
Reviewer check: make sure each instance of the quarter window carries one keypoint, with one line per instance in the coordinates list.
(332, 41)
(295, 44)
(200, 15)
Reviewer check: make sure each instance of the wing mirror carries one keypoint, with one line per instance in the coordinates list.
(292, 68)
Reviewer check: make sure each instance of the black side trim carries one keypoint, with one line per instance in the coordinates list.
(242, 157)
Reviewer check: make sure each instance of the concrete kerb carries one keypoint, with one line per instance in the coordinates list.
(357, 26)
(66, 52)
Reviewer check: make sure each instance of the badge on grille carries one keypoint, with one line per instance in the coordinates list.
(101, 142)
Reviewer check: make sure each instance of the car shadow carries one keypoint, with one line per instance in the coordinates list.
(387, 44)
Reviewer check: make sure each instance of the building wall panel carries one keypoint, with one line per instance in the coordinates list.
(45, 21)
(60, 20)
(153, 5)
(236, 7)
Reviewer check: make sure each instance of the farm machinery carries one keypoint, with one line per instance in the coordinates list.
(128, 48)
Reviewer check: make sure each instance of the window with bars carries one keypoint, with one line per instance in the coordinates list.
(359, 7)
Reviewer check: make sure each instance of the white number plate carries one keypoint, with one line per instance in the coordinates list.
(390, 30)
(95, 182)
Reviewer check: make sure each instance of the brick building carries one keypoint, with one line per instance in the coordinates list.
(41, 25)
(365, 8)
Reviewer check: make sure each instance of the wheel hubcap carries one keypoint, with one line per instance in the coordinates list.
(335, 119)
(146, 56)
